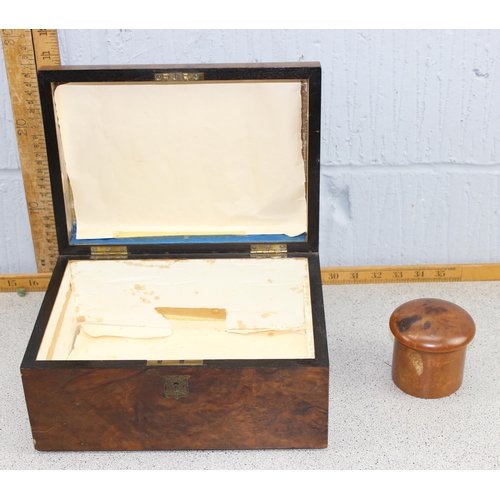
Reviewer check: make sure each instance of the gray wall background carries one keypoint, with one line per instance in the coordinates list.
(410, 135)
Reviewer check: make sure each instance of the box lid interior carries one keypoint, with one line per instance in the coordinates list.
(215, 161)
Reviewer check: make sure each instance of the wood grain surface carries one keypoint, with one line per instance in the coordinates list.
(227, 408)
(430, 339)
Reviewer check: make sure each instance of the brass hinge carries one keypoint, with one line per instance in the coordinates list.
(179, 77)
(108, 252)
(270, 251)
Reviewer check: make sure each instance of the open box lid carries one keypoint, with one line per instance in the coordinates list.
(184, 159)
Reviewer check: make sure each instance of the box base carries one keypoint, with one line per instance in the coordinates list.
(226, 408)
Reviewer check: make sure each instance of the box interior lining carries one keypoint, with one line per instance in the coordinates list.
(182, 310)
(209, 159)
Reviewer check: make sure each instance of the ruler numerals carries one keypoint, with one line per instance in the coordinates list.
(21, 127)
(392, 275)
(22, 57)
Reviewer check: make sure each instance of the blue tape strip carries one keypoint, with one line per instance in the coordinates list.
(165, 240)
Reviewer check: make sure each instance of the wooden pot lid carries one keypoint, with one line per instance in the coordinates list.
(432, 325)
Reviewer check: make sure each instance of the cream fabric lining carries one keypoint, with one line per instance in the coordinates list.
(182, 309)
(152, 159)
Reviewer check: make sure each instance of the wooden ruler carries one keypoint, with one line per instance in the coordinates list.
(24, 52)
(22, 283)
(409, 274)
(329, 276)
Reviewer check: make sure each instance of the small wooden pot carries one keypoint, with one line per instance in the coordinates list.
(431, 336)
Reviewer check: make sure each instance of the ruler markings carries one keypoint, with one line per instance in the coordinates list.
(30, 282)
(329, 275)
(410, 274)
(24, 51)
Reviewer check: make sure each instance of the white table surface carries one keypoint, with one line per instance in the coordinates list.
(372, 424)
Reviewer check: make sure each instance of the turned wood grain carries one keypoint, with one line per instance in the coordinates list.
(430, 342)
(432, 325)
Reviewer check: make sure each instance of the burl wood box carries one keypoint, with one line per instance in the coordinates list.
(185, 310)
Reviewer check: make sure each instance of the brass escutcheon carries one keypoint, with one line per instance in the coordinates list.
(176, 386)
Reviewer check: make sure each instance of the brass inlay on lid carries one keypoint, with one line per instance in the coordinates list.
(179, 77)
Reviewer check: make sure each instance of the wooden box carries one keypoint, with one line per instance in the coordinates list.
(185, 310)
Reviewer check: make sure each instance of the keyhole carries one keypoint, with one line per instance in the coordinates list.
(176, 386)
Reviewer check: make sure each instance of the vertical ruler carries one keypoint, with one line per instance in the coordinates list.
(25, 51)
